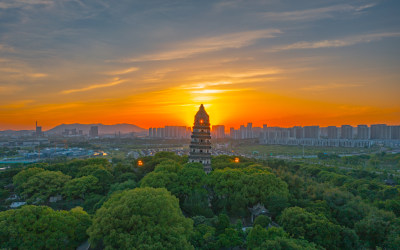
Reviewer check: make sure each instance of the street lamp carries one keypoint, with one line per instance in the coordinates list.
(140, 163)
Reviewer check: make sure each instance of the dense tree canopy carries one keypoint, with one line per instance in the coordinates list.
(235, 190)
(40, 227)
(39, 187)
(24, 175)
(315, 206)
(316, 228)
(145, 218)
(79, 187)
(185, 182)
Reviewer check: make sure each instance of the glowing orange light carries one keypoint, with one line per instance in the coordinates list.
(201, 121)
(237, 160)
(140, 163)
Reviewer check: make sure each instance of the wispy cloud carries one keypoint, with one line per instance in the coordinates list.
(204, 45)
(9, 89)
(348, 41)
(313, 14)
(7, 4)
(330, 86)
(366, 6)
(94, 86)
(123, 71)
(212, 91)
(203, 85)
(23, 71)
(17, 104)
(38, 75)
(242, 74)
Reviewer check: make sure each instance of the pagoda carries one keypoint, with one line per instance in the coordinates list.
(200, 146)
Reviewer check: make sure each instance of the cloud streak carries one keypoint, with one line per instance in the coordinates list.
(330, 86)
(123, 72)
(23, 3)
(9, 89)
(348, 41)
(94, 86)
(210, 44)
(313, 14)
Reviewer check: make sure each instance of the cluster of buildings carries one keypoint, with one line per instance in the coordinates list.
(361, 132)
(344, 136)
(170, 132)
(59, 152)
(246, 132)
(333, 136)
(50, 152)
(72, 132)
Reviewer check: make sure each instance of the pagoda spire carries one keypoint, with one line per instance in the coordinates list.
(200, 145)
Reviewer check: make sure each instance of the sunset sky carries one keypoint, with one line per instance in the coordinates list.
(152, 63)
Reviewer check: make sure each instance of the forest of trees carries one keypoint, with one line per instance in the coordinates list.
(168, 203)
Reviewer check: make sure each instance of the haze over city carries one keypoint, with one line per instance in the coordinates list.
(152, 63)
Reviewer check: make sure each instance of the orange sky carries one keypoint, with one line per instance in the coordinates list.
(153, 64)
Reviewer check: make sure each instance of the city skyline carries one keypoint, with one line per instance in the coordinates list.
(153, 63)
(185, 127)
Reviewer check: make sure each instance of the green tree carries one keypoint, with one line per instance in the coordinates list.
(146, 218)
(316, 228)
(229, 239)
(237, 189)
(257, 236)
(350, 239)
(80, 187)
(204, 237)
(374, 228)
(222, 223)
(262, 220)
(186, 183)
(23, 176)
(44, 184)
(129, 184)
(40, 227)
(287, 244)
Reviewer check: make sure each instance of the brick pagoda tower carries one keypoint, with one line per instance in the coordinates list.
(200, 146)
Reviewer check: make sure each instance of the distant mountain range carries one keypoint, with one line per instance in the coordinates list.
(103, 129)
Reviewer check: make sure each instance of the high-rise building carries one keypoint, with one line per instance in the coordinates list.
(346, 132)
(311, 132)
(232, 133)
(298, 132)
(395, 132)
(218, 131)
(200, 145)
(265, 126)
(38, 130)
(249, 130)
(94, 131)
(380, 131)
(332, 132)
(362, 132)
